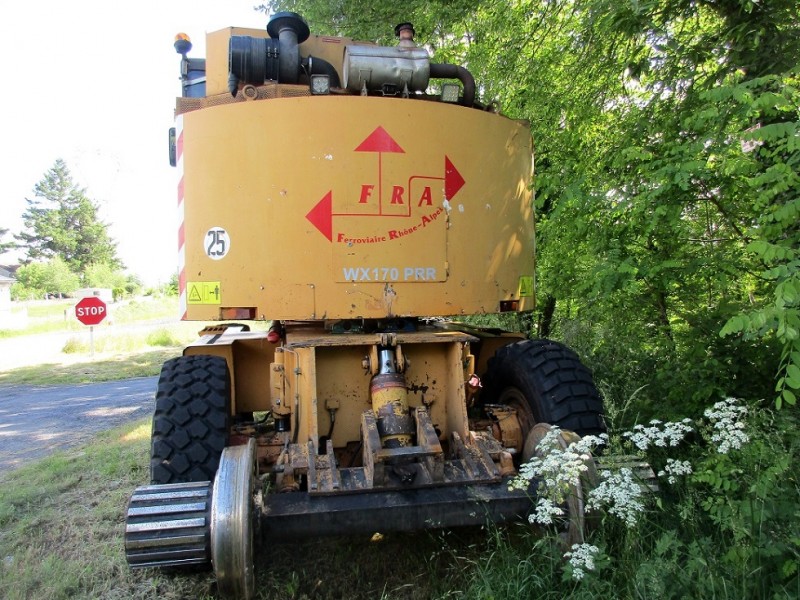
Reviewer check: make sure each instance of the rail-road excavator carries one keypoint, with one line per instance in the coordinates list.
(359, 201)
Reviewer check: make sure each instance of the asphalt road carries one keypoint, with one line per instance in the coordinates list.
(36, 421)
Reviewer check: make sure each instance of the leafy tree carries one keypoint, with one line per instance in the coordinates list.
(133, 285)
(771, 102)
(102, 275)
(434, 20)
(171, 288)
(37, 280)
(644, 118)
(702, 159)
(62, 221)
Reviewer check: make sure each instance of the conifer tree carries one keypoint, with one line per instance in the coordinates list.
(5, 246)
(61, 221)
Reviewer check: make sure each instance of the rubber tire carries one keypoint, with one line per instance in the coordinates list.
(192, 419)
(558, 388)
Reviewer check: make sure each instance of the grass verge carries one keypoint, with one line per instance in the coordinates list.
(61, 536)
(54, 316)
(113, 368)
(60, 521)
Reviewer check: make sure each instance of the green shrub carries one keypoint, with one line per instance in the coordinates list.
(728, 528)
(75, 346)
(162, 337)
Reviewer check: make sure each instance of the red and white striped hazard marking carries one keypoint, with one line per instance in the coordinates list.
(181, 220)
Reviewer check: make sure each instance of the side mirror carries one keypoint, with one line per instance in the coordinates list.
(173, 148)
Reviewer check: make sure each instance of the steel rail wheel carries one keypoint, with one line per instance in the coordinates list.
(233, 521)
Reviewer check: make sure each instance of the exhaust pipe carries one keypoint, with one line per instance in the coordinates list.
(291, 30)
(256, 60)
(446, 71)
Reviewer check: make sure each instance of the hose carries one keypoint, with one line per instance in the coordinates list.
(447, 71)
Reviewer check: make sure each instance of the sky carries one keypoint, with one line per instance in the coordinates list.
(94, 83)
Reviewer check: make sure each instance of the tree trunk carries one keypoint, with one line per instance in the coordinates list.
(546, 317)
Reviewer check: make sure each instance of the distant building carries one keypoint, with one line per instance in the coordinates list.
(105, 294)
(6, 281)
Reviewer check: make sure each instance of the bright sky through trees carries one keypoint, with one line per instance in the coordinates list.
(94, 83)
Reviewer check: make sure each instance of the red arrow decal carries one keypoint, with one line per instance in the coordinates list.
(321, 216)
(453, 181)
(379, 141)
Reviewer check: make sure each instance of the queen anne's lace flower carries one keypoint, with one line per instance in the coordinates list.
(545, 511)
(581, 559)
(620, 493)
(659, 434)
(556, 469)
(727, 419)
(674, 468)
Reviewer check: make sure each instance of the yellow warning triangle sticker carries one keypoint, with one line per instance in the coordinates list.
(194, 295)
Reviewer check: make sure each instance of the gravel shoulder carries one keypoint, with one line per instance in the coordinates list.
(37, 421)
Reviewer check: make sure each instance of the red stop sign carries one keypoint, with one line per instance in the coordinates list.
(91, 310)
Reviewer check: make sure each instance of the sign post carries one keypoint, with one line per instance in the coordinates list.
(91, 311)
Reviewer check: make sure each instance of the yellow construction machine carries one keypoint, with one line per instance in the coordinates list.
(360, 200)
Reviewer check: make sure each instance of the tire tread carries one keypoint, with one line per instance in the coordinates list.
(558, 386)
(191, 420)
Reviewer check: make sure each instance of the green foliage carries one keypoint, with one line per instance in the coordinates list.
(515, 564)
(110, 341)
(163, 337)
(55, 316)
(144, 309)
(133, 285)
(730, 529)
(75, 345)
(41, 279)
(375, 21)
(771, 102)
(105, 342)
(662, 237)
(102, 275)
(5, 246)
(61, 221)
(82, 492)
(172, 288)
(745, 503)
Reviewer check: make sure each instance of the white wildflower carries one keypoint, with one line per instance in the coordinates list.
(620, 493)
(659, 434)
(556, 470)
(581, 559)
(727, 419)
(674, 468)
(545, 511)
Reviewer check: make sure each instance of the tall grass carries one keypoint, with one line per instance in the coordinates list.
(113, 341)
(731, 529)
